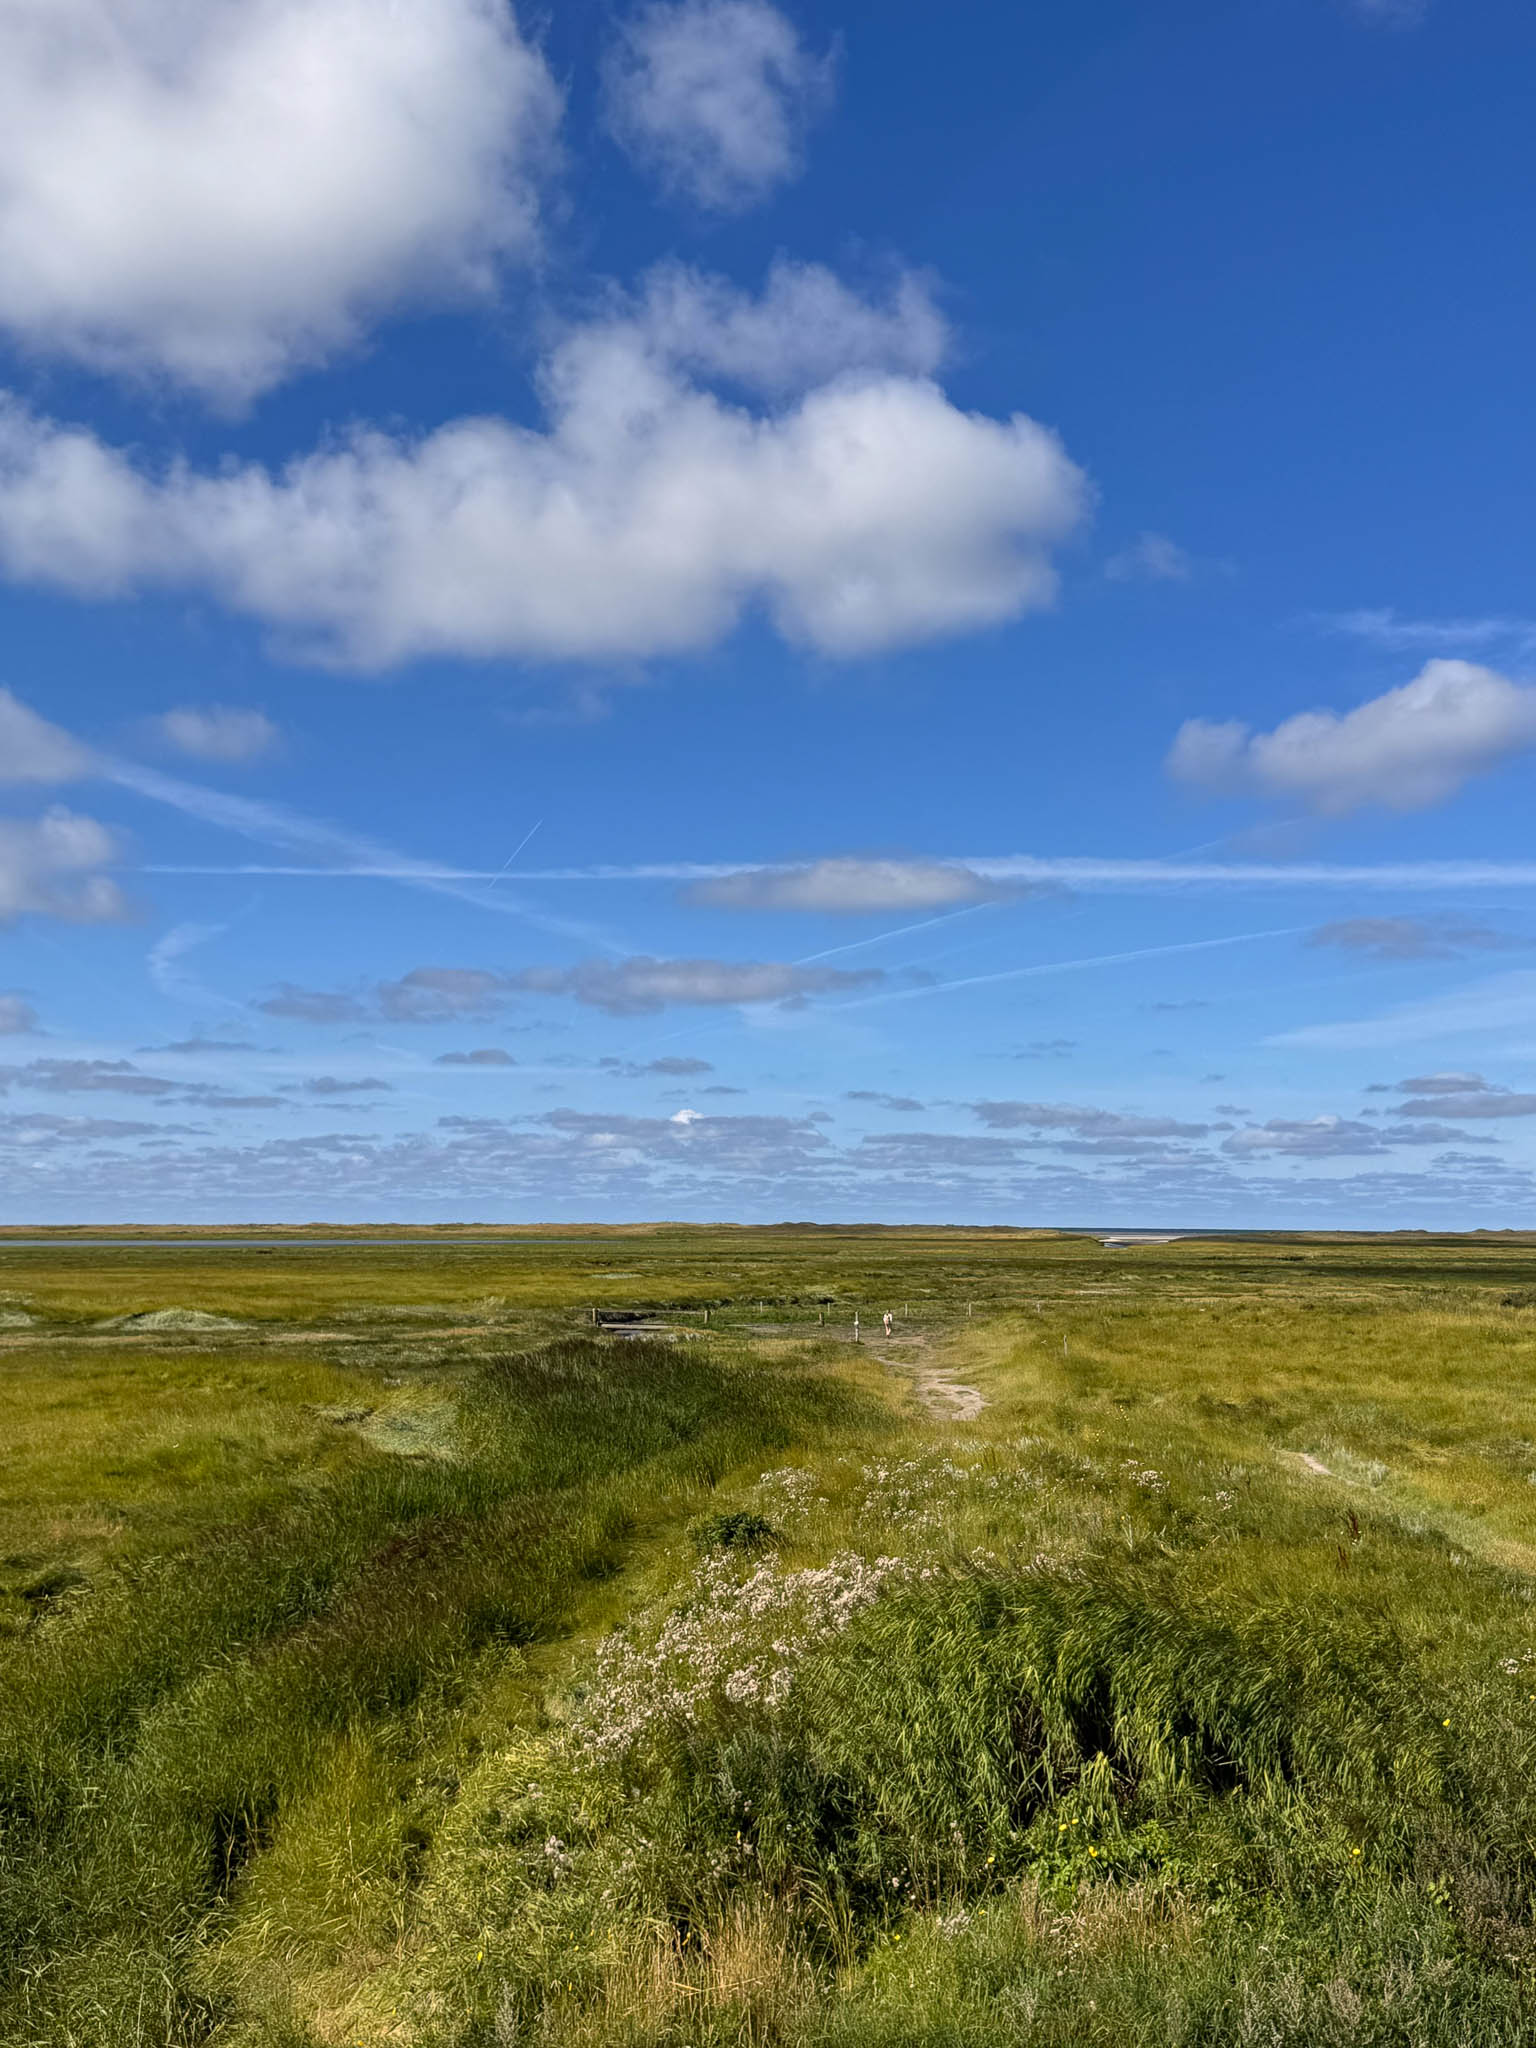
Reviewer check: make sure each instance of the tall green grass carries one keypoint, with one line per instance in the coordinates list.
(156, 1734)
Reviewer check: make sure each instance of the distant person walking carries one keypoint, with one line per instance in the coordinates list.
(887, 1322)
(855, 1326)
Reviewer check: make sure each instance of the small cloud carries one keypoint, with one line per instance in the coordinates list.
(848, 887)
(1151, 558)
(203, 1045)
(1410, 938)
(635, 987)
(313, 1005)
(1383, 628)
(1318, 1137)
(427, 995)
(714, 97)
(437, 995)
(672, 1068)
(37, 1130)
(1081, 1120)
(18, 1019)
(1047, 1049)
(1437, 1084)
(87, 1077)
(624, 988)
(328, 1084)
(482, 1056)
(905, 1103)
(1164, 1009)
(217, 732)
(1392, 13)
(1404, 751)
(122, 1077)
(1230, 1109)
(720, 1088)
(1434, 1134)
(1461, 1096)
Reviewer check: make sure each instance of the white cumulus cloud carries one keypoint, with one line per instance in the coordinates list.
(51, 867)
(714, 97)
(223, 190)
(32, 750)
(634, 987)
(838, 886)
(217, 732)
(805, 327)
(1410, 748)
(645, 520)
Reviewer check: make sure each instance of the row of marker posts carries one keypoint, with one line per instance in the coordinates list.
(821, 1317)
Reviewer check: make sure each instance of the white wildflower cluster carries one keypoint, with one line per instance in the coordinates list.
(1514, 1667)
(920, 1495)
(735, 1635)
(1145, 1476)
(788, 1496)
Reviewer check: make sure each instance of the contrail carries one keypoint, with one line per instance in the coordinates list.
(1073, 871)
(900, 932)
(944, 988)
(354, 855)
(512, 856)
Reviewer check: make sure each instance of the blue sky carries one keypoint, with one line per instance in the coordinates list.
(710, 611)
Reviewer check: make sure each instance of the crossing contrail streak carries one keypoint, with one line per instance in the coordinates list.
(1071, 871)
(1044, 967)
(338, 853)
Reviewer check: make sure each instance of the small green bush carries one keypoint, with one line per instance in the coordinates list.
(736, 1531)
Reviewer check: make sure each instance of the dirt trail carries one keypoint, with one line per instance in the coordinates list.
(905, 1353)
(935, 1389)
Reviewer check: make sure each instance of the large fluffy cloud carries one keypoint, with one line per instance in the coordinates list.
(224, 189)
(645, 520)
(1405, 750)
(714, 96)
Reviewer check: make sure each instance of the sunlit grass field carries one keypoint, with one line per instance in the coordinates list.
(393, 1652)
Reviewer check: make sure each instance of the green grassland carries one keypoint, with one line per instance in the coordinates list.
(394, 1652)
